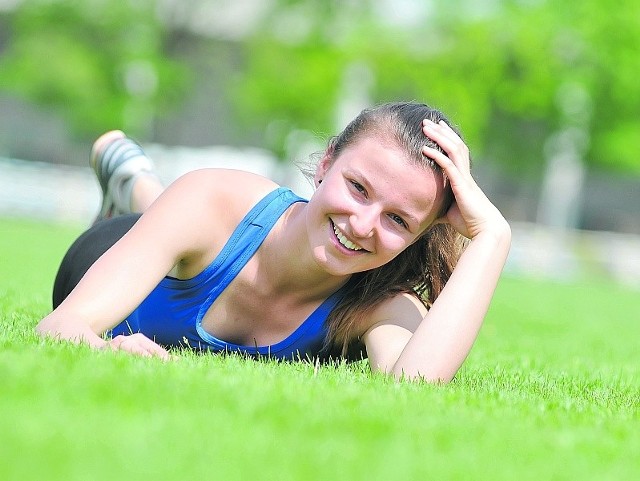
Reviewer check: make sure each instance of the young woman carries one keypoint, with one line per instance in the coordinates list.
(225, 260)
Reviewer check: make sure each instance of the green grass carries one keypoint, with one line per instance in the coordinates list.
(551, 390)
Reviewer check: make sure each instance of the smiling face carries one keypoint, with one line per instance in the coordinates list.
(371, 204)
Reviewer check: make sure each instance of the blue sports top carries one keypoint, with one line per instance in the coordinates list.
(172, 313)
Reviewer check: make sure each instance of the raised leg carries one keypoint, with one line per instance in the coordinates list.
(125, 173)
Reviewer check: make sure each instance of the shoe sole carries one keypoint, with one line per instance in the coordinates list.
(97, 149)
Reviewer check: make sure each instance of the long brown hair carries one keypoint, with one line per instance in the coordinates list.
(425, 266)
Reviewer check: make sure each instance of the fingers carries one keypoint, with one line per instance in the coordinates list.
(140, 345)
(449, 141)
(455, 175)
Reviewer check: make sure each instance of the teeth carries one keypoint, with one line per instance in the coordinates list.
(344, 241)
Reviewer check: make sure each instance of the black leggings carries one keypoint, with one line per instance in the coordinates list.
(86, 250)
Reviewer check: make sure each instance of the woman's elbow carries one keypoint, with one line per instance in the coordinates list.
(46, 326)
(430, 376)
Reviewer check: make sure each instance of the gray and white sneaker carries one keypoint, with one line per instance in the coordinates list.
(116, 161)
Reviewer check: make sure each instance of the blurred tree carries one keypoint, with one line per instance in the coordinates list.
(102, 63)
(294, 66)
(522, 78)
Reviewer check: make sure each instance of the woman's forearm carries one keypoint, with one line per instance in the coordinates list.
(444, 338)
(54, 326)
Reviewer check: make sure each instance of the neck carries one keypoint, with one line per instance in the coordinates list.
(287, 261)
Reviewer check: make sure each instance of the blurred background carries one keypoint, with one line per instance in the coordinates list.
(545, 92)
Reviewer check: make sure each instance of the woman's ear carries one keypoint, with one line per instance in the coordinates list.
(322, 168)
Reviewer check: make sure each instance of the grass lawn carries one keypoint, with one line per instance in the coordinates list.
(551, 390)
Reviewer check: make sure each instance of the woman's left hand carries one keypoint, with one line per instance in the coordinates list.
(472, 212)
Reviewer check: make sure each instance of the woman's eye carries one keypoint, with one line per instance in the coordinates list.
(358, 187)
(398, 220)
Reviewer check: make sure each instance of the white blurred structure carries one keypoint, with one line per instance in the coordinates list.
(63, 193)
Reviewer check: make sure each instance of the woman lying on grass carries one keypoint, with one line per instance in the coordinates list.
(225, 260)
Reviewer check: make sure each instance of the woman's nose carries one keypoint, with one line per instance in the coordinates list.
(363, 223)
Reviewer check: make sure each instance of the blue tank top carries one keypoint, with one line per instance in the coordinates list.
(172, 313)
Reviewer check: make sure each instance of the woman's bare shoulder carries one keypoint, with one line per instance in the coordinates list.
(205, 206)
(229, 180)
(392, 324)
(404, 310)
(232, 193)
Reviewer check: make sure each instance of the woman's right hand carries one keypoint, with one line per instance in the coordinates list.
(137, 344)
(472, 212)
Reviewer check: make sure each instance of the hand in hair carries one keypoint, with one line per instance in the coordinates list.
(472, 212)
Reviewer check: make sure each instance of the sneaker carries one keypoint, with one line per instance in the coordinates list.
(115, 159)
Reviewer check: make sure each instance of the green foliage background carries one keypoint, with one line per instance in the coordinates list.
(516, 70)
(99, 63)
